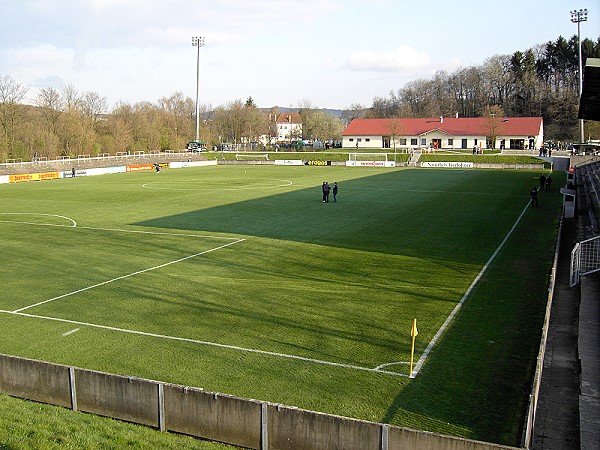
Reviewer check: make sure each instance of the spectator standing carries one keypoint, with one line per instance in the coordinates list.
(533, 194)
(335, 191)
(325, 188)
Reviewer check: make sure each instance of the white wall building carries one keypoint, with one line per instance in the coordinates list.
(447, 133)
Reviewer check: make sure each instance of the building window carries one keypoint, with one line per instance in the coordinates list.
(358, 139)
(351, 139)
(423, 141)
(367, 139)
(413, 141)
(450, 141)
(403, 141)
(475, 141)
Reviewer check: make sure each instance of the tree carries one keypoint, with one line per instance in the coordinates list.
(396, 129)
(322, 126)
(177, 111)
(496, 74)
(493, 115)
(50, 105)
(354, 111)
(11, 111)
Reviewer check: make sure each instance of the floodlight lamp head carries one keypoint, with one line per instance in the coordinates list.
(579, 16)
(197, 41)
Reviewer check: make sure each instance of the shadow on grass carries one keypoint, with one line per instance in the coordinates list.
(478, 378)
(446, 215)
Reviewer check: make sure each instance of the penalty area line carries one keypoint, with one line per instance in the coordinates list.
(128, 275)
(208, 343)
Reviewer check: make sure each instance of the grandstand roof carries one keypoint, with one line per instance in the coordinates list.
(474, 126)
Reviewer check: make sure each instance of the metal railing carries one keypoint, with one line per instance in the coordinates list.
(585, 259)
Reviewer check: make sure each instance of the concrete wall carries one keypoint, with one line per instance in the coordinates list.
(224, 418)
(404, 439)
(126, 398)
(213, 416)
(35, 380)
(291, 429)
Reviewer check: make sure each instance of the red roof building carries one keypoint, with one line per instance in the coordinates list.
(445, 132)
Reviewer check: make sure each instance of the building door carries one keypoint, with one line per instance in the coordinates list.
(463, 143)
(386, 142)
(437, 143)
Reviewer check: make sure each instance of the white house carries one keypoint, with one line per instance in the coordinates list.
(289, 127)
(447, 133)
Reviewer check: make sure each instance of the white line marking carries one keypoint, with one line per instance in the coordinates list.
(160, 233)
(381, 366)
(202, 187)
(421, 360)
(128, 275)
(73, 223)
(211, 344)
(163, 233)
(71, 332)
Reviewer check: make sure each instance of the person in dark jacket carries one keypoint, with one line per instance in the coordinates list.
(326, 189)
(533, 194)
(335, 191)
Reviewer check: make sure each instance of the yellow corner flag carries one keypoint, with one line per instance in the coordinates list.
(413, 333)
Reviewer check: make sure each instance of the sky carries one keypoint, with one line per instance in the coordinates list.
(287, 53)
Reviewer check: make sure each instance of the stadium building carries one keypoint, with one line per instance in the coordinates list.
(519, 133)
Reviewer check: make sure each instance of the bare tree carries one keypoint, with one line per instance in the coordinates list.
(493, 115)
(71, 98)
(93, 106)
(12, 94)
(354, 111)
(50, 105)
(396, 129)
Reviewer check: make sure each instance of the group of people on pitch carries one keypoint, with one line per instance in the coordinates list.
(327, 189)
(545, 184)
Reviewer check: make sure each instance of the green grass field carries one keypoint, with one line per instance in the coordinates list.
(238, 279)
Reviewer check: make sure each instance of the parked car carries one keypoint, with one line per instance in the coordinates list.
(196, 146)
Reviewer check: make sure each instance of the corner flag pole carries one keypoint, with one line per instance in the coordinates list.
(413, 334)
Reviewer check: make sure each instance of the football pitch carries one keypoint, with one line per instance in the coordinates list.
(239, 279)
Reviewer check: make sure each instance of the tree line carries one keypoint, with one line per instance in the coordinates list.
(541, 81)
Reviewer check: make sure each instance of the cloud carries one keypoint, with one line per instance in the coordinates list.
(52, 81)
(404, 59)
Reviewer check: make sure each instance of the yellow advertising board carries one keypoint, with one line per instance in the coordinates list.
(33, 177)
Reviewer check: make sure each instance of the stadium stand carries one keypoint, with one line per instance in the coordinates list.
(568, 411)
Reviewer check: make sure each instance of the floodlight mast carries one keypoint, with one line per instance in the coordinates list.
(578, 17)
(197, 41)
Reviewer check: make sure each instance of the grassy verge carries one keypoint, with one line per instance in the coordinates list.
(26, 425)
(485, 159)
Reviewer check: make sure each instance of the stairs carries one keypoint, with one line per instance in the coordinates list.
(414, 158)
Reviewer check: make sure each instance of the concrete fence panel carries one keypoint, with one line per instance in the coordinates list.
(218, 417)
(126, 398)
(35, 380)
(291, 429)
(404, 439)
(212, 416)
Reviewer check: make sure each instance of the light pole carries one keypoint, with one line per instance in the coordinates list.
(197, 42)
(578, 17)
